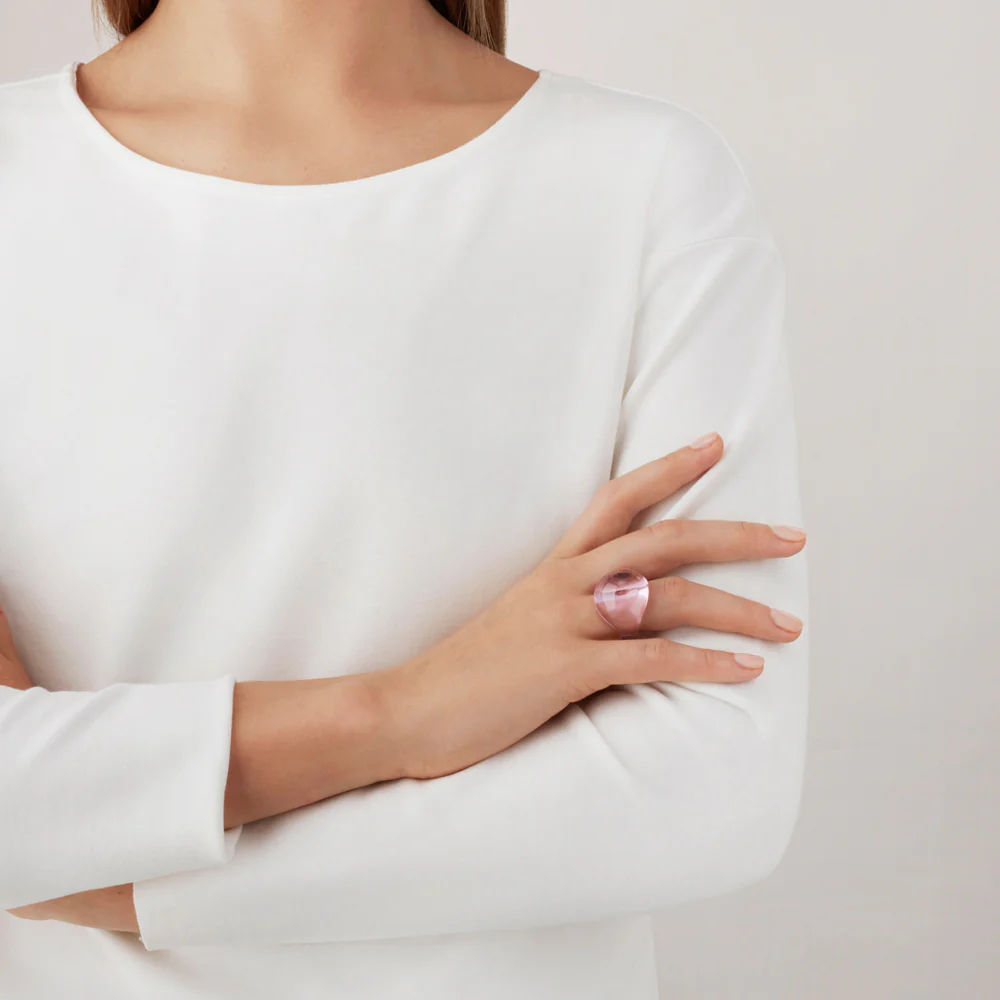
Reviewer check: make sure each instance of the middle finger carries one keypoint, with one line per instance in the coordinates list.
(663, 546)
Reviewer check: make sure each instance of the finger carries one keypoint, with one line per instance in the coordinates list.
(12, 672)
(649, 659)
(675, 601)
(6, 639)
(619, 501)
(663, 546)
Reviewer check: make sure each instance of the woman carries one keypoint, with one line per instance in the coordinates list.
(344, 360)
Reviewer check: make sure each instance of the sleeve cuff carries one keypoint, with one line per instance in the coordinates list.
(113, 786)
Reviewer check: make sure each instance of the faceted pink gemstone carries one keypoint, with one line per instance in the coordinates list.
(621, 598)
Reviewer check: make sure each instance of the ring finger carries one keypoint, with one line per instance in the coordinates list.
(676, 601)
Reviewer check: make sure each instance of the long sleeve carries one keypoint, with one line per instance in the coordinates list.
(112, 786)
(641, 796)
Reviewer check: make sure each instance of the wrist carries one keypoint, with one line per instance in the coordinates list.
(399, 704)
(364, 743)
(297, 742)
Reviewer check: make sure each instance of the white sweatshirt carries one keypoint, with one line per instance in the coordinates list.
(257, 432)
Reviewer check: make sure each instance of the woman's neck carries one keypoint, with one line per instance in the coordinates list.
(242, 52)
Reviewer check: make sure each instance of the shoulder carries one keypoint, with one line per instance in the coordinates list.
(30, 97)
(38, 158)
(697, 185)
(31, 111)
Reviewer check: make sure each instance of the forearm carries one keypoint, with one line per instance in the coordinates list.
(109, 786)
(642, 796)
(127, 782)
(297, 742)
(293, 743)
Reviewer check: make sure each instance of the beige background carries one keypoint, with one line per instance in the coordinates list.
(871, 133)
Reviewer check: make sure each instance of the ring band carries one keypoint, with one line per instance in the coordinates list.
(621, 598)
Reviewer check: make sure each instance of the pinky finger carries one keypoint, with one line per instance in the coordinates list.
(648, 659)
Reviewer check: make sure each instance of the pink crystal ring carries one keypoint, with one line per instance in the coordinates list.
(621, 598)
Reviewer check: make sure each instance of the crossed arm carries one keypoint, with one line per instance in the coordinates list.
(292, 743)
(638, 797)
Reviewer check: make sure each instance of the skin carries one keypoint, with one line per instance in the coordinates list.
(283, 92)
(292, 92)
(535, 650)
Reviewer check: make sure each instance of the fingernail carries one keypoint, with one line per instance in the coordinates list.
(788, 533)
(786, 621)
(704, 441)
(748, 660)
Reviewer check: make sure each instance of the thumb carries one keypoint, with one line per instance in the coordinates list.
(12, 672)
(6, 639)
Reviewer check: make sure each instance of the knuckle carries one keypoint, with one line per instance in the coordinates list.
(665, 530)
(685, 530)
(651, 649)
(570, 576)
(675, 589)
(612, 492)
(580, 666)
(709, 660)
(532, 591)
(533, 597)
(548, 577)
(757, 535)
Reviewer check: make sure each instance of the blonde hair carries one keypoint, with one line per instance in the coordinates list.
(483, 20)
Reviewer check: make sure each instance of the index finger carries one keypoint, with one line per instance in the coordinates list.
(620, 500)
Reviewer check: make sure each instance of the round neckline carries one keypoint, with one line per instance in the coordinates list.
(126, 155)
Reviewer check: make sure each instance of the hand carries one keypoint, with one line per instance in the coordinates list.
(110, 908)
(12, 672)
(542, 645)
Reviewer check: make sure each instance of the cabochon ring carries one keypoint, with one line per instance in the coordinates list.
(621, 598)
